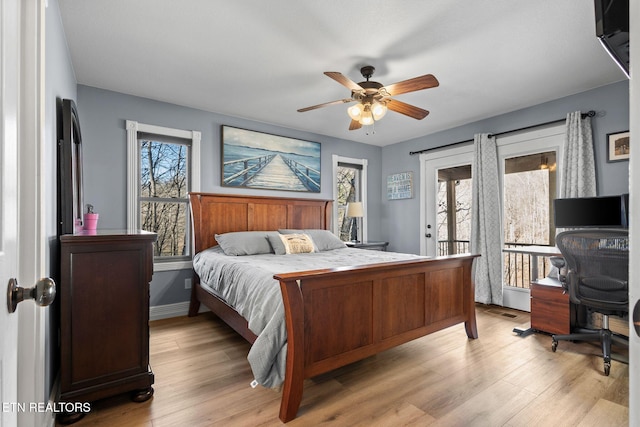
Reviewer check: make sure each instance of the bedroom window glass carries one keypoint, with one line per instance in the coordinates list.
(164, 175)
(162, 200)
(349, 186)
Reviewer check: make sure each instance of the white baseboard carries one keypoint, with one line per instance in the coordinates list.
(172, 310)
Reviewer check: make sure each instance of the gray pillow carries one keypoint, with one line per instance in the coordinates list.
(276, 243)
(323, 240)
(245, 242)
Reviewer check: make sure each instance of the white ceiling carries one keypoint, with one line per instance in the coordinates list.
(262, 60)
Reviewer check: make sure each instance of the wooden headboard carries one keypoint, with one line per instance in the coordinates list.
(213, 214)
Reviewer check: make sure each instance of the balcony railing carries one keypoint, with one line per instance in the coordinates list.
(517, 266)
(452, 247)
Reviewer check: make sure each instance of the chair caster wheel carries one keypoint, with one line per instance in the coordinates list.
(554, 346)
(607, 368)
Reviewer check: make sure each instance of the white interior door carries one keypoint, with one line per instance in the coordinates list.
(22, 235)
(9, 78)
(634, 229)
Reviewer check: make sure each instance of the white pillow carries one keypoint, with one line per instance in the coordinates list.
(297, 243)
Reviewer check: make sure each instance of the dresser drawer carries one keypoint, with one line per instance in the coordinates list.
(549, 293)
(550, 317)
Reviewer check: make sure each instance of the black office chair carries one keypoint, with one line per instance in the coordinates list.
(597, 278)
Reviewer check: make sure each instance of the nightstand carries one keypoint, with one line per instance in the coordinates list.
(374, 246)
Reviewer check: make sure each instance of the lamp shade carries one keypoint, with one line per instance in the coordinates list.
(354, 210)
(355, 111)
(367, 116)
(378, 110)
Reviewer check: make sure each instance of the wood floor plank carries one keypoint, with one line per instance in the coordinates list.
(494, 406)
(606, 413)
(501, 379)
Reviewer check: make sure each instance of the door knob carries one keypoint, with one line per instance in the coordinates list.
(43, 293)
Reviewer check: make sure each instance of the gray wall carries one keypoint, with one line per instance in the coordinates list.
(401, 218)
(103, 114)
(102, 118)
(60, 83)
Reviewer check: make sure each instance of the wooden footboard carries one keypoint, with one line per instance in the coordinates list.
(338, 316)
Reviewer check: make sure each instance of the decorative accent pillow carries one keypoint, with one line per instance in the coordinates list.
(245, 242)
(324, 240)
(297, 243)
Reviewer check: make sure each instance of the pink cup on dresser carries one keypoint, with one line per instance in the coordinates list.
(90, 221)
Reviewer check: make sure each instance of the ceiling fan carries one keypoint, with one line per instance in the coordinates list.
(373, 99)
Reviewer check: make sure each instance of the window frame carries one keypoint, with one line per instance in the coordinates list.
(133, 178)
(362, 164)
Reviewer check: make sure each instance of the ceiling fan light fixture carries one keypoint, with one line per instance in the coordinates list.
(355, 111)
(373, 99)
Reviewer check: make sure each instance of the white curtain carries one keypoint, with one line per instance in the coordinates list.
(486, 228)
(578, 164)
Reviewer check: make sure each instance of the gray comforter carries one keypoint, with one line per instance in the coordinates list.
(246, 283)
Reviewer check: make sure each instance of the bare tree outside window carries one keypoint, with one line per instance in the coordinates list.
(163, 202)
(529, 188)
(347, 192)
(454, 204)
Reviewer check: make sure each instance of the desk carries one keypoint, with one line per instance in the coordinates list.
(535, 252)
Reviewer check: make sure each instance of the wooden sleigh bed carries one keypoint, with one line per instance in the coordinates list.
(336, 316)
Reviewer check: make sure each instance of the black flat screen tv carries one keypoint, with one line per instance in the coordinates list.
(612, 29)
(592, 212)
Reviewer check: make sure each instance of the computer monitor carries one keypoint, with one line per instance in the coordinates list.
(592, 212)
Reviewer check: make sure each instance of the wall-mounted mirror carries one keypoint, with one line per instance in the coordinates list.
(70, 189)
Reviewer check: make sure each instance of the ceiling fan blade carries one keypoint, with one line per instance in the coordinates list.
(326, 104)
(417, 83)
(354, 125)
(344, 80)
(407, 109)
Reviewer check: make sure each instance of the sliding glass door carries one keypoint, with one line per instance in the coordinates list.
(529, 165)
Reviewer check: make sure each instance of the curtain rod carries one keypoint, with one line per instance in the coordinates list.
(590, 113)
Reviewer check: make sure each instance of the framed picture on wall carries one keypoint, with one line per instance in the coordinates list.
(400, 186)
(253, 159)
(618, 146)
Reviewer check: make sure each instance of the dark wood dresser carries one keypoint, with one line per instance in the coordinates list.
(104, 315)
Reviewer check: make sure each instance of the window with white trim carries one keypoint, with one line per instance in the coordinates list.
(350, 185)
(162, 171)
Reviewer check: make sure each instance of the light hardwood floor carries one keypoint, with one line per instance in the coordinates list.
(202, 379)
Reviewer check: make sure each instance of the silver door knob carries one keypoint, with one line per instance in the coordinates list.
(43, 293)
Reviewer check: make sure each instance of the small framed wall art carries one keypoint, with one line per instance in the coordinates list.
(400, 186)
(618, 146)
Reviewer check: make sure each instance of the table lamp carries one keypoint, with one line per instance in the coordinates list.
(355, 211)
